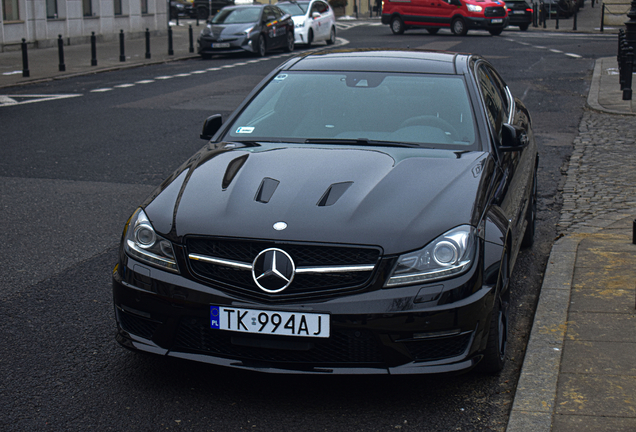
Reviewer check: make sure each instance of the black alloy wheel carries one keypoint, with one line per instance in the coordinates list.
(261, 48)
(397, 25)
(289, 46)
(458, 26)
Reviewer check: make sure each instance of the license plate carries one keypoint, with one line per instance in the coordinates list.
(519, 12)
(497, 21)
(269, 322)
(221, 45)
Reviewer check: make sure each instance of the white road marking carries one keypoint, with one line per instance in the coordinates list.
(11, 100)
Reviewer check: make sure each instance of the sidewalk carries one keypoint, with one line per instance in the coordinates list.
(579, 372)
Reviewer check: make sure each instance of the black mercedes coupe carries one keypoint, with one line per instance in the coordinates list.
(371, 231)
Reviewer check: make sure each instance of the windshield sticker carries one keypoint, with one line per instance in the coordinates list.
(280, 77)
(245, 130)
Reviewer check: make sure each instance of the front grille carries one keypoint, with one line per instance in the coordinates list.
(137, 325)
(343, 347)
(495, 12)
(439, 348)
(304, 285)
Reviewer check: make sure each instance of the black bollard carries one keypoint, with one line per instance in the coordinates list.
(60, 51)
(170, 50)
(25, 60)
(93, 49)
(534, 15)
(191, 39)
(576, 12)
(147, 44)
(628, 66)
(602, 17)
(197, 20)
(545, 24)
(122, 56)
(557, 18)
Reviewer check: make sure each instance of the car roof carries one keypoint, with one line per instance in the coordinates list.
(383, 60)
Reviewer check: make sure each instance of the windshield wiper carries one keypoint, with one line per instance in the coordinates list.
(360, 141)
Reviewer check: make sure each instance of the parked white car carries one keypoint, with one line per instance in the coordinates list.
(314, 21)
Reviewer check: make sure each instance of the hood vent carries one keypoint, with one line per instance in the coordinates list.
(231, 171)
(334, 193)
(266, 190)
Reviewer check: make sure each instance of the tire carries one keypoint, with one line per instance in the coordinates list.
(206, 56)
(310, 38)
(458, 26)
(397, 25)
(261, 47)
(495, 353)
(289, 46)
(432, 30)
(203, 13)
(523, 27)
(531, 216)
(495, 32)
(332, 36)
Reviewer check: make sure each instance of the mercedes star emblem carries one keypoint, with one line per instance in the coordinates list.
(273, 270)
(279, 226)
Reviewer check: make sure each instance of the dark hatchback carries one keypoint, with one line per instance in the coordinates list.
(519, 14)
(252, 28)
(373, 231)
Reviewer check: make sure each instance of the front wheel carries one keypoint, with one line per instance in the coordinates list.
(397, 25)
(332, 36)
(458, 26)
(523, 27)
(261, 48)
(495, 32)
(289, 46)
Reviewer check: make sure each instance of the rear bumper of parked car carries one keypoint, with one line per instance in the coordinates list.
(411, 330)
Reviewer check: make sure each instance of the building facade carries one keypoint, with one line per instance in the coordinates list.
(40, 22)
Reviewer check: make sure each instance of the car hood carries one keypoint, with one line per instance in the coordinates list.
(227, 30)
(398, 199)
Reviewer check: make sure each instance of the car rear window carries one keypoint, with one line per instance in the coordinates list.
(432, 111)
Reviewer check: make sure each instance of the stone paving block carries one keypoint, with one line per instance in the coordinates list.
(536, 392)
(616, 300)
(586, 423)
(550, 319)
(602, 278)
(607, 327)
(523, 421)
(599, 358)
(558, 273)
(604, 258)
(596, 395)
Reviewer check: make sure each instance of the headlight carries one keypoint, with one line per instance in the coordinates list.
(448, 255)
(206, 30)
(248, 31)
(300, 24)
(474, 8)
(142, 243)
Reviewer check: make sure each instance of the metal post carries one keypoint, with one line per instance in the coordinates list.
(170, 50)
(122, 56)
(60, 51)
(147, 44)
(630, 26)
(25, 60)
(557, 18)
(629, 64)
(93, 49)
(535, 13)
(576, 12)
(191, 39)
(545, 24)
(602, 17)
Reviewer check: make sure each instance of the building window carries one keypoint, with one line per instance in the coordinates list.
(87, 8)
(51, 9)
(117, 7)
(10, 11)
(144, 6)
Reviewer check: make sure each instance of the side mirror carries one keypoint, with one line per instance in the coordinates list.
(211, 125)
(315, 15)
(513, 138)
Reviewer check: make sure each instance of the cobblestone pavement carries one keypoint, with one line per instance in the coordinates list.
(601, 183)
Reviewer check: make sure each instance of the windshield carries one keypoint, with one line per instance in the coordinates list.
(431, 111)
(294, 9)
(237, 16)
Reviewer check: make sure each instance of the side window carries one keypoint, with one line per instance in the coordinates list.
(496, 103)
(277, 13)
(322, 7)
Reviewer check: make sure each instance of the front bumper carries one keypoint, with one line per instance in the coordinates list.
(208, 45)
(486, 23)
(408, 330)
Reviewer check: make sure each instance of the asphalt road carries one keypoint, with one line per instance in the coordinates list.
(71, 172)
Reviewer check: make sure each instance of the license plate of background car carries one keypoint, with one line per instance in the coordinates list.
(519, 12)
(257, 321)
(497, 21)
(221, 45)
